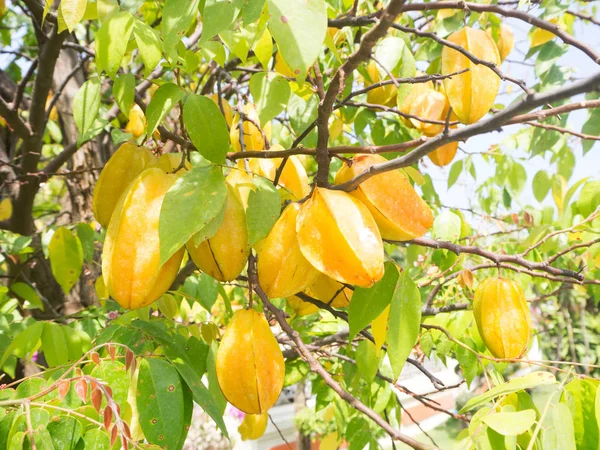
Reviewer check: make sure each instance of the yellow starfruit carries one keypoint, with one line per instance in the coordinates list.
(224, 255)
(397, 208)
(339, 237)
(282, 269)
(131, 253)
(249, 364)
(472, 93)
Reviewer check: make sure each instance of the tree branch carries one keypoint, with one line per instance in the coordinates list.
(338, 82)
(484, 126)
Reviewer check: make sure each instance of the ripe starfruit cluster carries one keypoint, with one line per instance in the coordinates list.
(127, 201)
(502, 317)
(334, 238)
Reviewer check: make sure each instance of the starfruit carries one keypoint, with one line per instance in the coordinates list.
(430, 105)
(224, 255)
(253, 426)
(414, 91)
(131, 254)
(442, 156)
(330, 291)
(502, 316)
(282, 269)
(383, 95)
(339, 237)
(300, 307)
(53, 116)
(253, 139)
(121, 169)
(540, 36)
(472, 93)
(225, 105)
(136, 124)
(250, 366)
(170, 162)
(242, 183)
(397, 208)
(293, 179)
(505, 41)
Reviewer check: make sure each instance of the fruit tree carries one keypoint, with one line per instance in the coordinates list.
(206, 201)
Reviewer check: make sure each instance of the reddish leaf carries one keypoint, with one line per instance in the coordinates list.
(81, 390)
(95, 357)
(126, 430)
(124, 443)
(112, 351)
(515, 218)
(97, 399)
(129, 358)
(107, 416)
(63, 388)
(113, 435)
(108, 390)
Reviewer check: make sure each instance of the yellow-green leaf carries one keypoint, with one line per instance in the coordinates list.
(66, 258)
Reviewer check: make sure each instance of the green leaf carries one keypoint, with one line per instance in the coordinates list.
(368, 303)
(404, 322)
(510, 423)
(264, 207)
(165, 98)
(389, 53)
(160, 402)
(263, 49)
(455, 172)
(565, 432)
(583, 402)
(591, 127)
(87, 237)
(211, 228)
(251, 11)
(271, 93)
(541, 185)
(589, 198)
(447, 226)
(529, 381)
(110, 51)
(65, 432)
(96, 439)
(468, 360)
(71, 12)
(86, 104)
(549, 54)
(27, 341)
(66, 258)
(198, 195)
(517, 178)
(184, 365)
(177, 18)
(206, 127)
(218, 16)
(54, 344)
(213, 50)
(29, 294)
(367, 361)
(299, 29)
(149, 44)
(211, 376)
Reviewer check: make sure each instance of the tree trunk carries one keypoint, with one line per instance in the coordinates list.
(84, 165)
